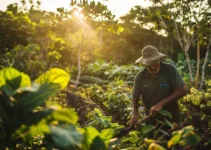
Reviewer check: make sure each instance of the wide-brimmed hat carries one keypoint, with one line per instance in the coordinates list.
(150, 55)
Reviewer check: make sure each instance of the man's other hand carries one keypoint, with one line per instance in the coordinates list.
(134, 120)
(155, 109)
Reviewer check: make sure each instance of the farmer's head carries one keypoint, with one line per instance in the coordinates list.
(151, 58)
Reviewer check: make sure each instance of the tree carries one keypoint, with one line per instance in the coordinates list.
(177, 18)
(139, 32)
(205, 39)
(16, 28)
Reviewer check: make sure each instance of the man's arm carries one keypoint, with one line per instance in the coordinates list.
(176, 94)
(136, 92)
(135, 106)
(134, 118)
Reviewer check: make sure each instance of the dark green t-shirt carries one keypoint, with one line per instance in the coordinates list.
(154, 89)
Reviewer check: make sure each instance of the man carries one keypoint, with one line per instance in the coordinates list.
(159, 85)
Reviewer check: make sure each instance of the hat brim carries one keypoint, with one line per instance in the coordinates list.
(150, 61)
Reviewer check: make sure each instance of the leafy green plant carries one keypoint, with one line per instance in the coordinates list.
(115, 98)
(196, 112)
(186, 137)
(101, 122)
(20, 97)
(111, 71)
(24, 124)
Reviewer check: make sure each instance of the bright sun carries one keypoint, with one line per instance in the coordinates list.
(113, 5)
(117, 7)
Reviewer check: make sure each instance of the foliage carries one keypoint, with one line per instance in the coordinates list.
(16, 28)
(111, 71)
(182, 67)
(22, 121)
(185, 136)
(27, 59)
(115, 97)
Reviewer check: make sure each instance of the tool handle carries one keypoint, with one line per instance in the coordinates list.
(145, 118)
(128, 129)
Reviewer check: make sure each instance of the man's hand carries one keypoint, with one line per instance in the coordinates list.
(134, 120)
(155, 109)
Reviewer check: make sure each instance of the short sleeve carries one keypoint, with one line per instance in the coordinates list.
(176, 79)
(136, 92)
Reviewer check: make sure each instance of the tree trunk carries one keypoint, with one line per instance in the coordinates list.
(101, 35)
(79, 65)
(189, 67)
(204, 64)
(198, 64)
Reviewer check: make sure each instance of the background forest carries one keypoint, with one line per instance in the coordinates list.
(66, 77)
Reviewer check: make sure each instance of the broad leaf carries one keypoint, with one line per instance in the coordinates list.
(65, 115)
(36, 117)
(11, 79)
(155, 146)
(97, 144)
(184, 131)
(2, 81)
(165, 113)
(190, 140)
(65, 136)
(107, 133)
(27, 103)
(174, 140)
(56, 76)
(90, 134)
(187, 130)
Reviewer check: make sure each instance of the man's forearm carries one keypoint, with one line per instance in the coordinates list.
(135, 106)
(178, 93)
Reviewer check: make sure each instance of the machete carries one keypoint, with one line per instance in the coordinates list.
(125, 131)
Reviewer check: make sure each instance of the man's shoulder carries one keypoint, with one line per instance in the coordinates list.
(168, 66)
(141, 73)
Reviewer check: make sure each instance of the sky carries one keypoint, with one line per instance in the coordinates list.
(117, 7)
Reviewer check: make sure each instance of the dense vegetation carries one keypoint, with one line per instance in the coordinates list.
(66, 77)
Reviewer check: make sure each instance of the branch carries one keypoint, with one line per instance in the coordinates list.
(178, 34)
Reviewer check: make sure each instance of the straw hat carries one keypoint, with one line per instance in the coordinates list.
(150, 55)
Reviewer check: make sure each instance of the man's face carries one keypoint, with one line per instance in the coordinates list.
(153, 69)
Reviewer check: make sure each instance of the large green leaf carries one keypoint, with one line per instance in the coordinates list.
(174, 140)
(65, 115)
(107, 133)
(90, 134)
(11, 79)
(15, 78)
(186, 136)
(56, 76)
(184, 131)
(36, 117)
(97, 144)
(190, 140)
(27, 103)
(2, 81)
(65, 136)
